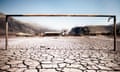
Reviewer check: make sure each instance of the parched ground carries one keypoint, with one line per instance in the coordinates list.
(59, 54)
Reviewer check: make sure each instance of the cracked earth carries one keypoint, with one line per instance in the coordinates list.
(59, 54)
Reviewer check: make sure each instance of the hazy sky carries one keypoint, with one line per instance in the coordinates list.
(62, 7)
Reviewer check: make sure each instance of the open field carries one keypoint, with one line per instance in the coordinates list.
(59, 54)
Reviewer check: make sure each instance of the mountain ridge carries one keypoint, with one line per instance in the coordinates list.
(16, 26)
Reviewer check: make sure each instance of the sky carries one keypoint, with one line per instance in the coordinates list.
(102, 7)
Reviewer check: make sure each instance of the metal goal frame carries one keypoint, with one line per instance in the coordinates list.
(59, 15)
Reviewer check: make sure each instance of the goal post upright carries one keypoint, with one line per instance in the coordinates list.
(114, 31)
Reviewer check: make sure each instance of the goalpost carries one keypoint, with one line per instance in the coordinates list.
(61, 15)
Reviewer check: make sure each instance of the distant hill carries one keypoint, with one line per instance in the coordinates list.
(16, 26)
(98, 29)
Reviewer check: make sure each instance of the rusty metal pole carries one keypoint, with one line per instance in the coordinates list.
(114, 33)
(6, 32)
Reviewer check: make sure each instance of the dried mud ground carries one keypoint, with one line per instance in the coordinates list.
(59, 54)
